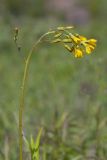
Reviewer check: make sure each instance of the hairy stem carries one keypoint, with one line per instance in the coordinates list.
(22, 99)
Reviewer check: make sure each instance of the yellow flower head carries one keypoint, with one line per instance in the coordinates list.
(75, 39)
(92, 42)
(82, 38)
(78, 44)
(90, 45)
(78, 53)
(89, 48)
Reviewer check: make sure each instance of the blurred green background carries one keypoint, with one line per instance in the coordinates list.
(58, 83)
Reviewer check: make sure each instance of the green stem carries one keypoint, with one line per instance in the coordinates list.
(22, 99)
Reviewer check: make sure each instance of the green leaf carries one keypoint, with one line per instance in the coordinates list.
(31, 143)
(37, 144)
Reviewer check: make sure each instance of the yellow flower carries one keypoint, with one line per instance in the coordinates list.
(75, 39)
(78, 44)
(82, 38)
(89, 45)
(78, 53)
(89, 48)
(92, 42)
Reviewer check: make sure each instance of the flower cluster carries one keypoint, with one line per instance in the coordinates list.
(74, 43)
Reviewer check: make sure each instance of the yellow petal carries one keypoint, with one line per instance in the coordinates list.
(89, 48)
(78, 53)
(82, 38)
(92, 42)
(75, 39)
